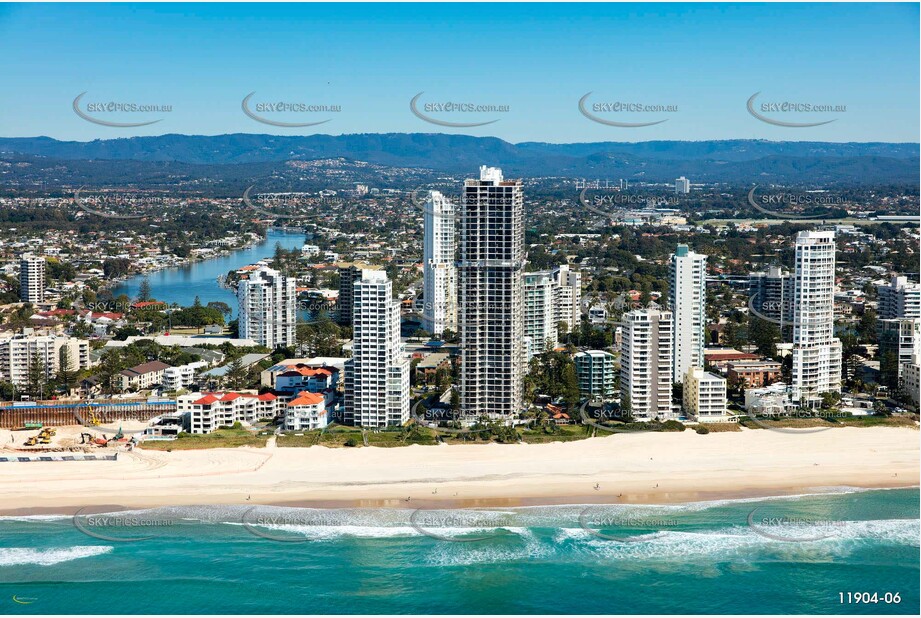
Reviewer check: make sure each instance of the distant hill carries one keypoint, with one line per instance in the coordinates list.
(733, 161)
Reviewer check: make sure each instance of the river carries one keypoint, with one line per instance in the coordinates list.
(182, 285)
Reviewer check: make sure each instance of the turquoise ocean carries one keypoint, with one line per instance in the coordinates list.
(814, 553)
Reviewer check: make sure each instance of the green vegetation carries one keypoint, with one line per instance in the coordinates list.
(830, 422)
(221, 438)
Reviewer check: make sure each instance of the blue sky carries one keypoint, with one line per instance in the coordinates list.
(537, 59)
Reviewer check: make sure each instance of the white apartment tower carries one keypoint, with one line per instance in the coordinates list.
(816, 350)
(688, 296)
(682, 186)
(540, 312)
(19, 351)
(439, 311)
(568, 296)
(646, 363)
(32, 278)
(268, 301)
(490, 296)
(377, 375)
(900, 299)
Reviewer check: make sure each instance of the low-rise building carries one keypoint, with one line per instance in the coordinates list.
(210, 411)
(719, 358)
(753, 373)
(140, 376)
(431, 364)
(307, 411)
(704, 395)
(911, 380)
(773, 400)
(177, 378)
(301, 378)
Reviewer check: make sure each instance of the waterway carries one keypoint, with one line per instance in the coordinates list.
(181, 285)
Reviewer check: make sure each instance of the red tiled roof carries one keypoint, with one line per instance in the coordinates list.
(207, 399)
(306, 399)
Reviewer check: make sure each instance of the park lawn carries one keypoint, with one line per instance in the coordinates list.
(721, 427)
(307, 438)
(843, 421)
(389, 439)
(567, 433)
(222, 438)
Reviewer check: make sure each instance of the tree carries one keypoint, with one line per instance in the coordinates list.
(236, 374)
(36, 376)
(66, 375)
(626, 408)
(7, 391)
(220, 306)
(144, 291)
(867, 327)
(570, 385)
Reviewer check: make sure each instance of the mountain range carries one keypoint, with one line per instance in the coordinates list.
(730, 161)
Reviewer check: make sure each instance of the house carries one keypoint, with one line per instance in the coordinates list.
(306, 412)
(141, 376)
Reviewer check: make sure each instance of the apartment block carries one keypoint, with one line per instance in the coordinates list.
(268, 302)
(596, 372)
(901, 298)
(688, 298)
(816, 350)
(439, 270)
(704, 395)
(19, 351)
(646, 363)
(377, 375)
(491, 296)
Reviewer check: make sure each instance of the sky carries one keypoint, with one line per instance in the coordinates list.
(696, 64)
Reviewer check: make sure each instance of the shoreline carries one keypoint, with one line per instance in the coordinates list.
(627, 469)
(471, 503)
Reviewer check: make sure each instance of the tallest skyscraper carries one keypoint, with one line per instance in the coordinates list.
(490, 296)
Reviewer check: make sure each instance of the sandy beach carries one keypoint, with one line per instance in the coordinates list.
(638, 468)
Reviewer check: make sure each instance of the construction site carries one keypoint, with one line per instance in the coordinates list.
(78, 427)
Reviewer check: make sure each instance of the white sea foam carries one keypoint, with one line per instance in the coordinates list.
(12, 556)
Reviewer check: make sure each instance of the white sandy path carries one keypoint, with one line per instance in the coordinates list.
(651, 467)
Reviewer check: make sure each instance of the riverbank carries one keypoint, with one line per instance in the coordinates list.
(200, 276)
(635, 468)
